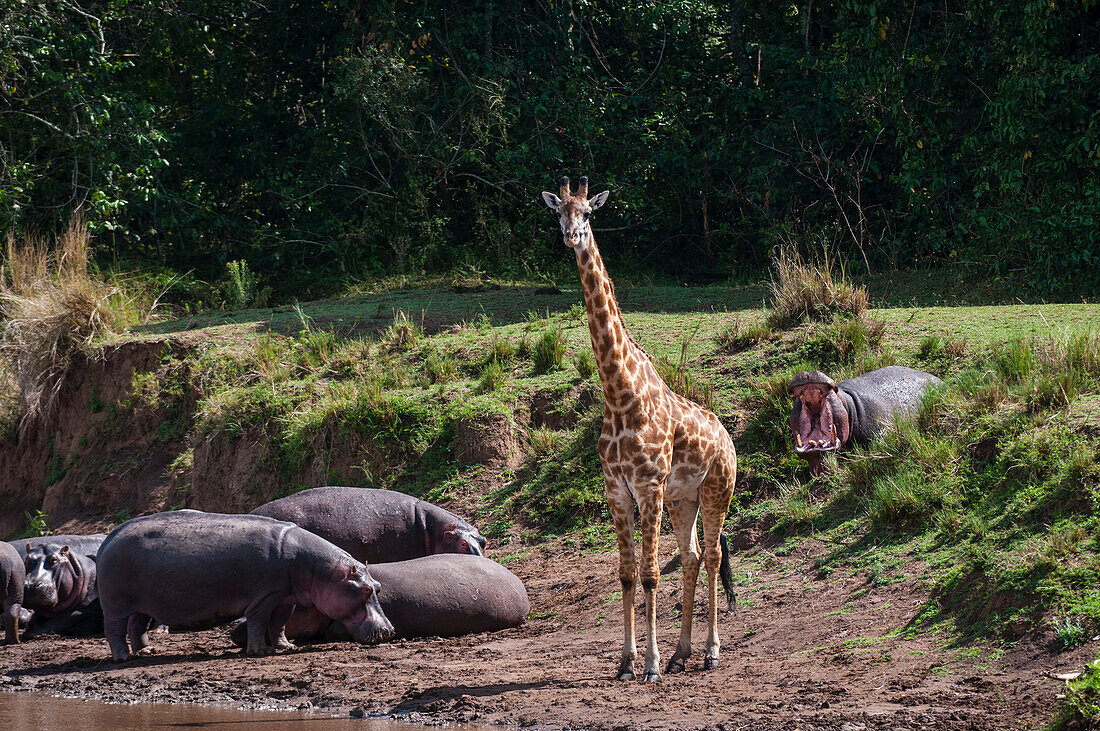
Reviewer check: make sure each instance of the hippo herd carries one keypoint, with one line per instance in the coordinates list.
(295, 568)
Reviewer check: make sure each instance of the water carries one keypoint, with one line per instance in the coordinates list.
(39, 712)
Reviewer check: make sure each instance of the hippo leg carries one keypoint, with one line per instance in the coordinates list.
(11, 625)
(115, 630)
(259, 619)
(276, 630)
(138, 629)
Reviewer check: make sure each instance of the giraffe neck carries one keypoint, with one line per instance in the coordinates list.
(617, 356)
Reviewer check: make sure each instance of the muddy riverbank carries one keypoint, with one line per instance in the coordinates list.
(800, 650)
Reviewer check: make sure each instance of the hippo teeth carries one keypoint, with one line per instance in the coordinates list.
(798, 440)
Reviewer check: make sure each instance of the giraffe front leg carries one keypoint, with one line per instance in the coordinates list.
(650, 511)
(622, 513)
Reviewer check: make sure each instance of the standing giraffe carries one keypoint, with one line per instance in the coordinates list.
(655, 447)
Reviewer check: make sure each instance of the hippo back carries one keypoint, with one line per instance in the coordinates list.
(450, 594)
(883, 395)
(84, 545)
(372, 525)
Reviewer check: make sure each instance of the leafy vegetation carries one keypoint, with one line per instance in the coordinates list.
(317, 142)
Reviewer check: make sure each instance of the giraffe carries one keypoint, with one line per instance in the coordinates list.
(656, 447)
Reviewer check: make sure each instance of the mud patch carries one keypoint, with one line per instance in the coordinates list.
(488, 439)
(798, 652)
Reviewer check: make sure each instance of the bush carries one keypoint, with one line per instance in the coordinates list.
(804, 290)
(493, 376)
(739, 336)
(440, 368)
(549, 351)
(585, 363)
(53, 306)
(402, 333)
(241, 288)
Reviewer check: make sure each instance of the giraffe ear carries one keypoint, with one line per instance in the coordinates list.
(552, 201)
(594, 203)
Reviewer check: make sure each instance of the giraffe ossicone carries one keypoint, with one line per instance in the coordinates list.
(656, 448)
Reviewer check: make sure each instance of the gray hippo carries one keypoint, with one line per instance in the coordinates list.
(376, 526)
(440, 595)
(60, 588)
(84, 545)
(12, 575)
(827, 415)
(196, 570)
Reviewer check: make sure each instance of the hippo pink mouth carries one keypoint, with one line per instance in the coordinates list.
(817, 440)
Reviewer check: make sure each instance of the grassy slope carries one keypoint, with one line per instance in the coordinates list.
(989, 498)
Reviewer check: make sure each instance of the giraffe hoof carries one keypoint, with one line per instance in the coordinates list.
(675, 665)
(652, 677)
(625, 675)
(710, 663)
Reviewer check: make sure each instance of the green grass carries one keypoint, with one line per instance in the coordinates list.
(992, 488)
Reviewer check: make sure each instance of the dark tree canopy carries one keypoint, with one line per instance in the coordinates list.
(325, 140)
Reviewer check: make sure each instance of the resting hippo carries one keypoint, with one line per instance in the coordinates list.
(442, 595)
(60, 588)
(827, 415)
(195, 569)
(376, 526)
(84, 545)
(12, 575)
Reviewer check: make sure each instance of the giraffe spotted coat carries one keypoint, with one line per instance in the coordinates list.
(656, 448)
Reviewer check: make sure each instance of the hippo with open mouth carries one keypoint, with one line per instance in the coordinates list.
(196, 570)
(827, 415)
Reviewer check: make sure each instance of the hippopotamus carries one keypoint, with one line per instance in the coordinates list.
(827, 415)
(12, 575)
(438, 595)
(60, 588)
(197, 570)
(84, 545)
(377, 526)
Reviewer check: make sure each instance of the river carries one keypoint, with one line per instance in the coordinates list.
(30, 711)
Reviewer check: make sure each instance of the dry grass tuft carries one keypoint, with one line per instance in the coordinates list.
(53, 306)
(811, 290)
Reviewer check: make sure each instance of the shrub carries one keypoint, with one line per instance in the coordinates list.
(585, 363)
(681, 380)
(549, 351)
(402, 333)
(811, 290)
(440, 368)
(493, 376)
(241, 288)
(739, 335)
(53, 306)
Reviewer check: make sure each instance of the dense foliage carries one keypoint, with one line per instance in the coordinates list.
(320, 140)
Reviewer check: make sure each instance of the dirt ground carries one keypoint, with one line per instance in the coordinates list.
(799, 652)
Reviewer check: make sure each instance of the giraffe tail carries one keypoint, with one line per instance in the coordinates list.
(725, 571)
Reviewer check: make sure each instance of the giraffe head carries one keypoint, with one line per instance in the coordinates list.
(573, 211)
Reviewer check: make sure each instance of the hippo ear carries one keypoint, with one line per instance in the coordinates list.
(64, 551)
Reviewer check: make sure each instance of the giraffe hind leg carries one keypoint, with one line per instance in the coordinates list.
(715, 492)
(684, 515)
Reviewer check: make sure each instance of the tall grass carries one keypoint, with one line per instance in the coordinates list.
(802, 289)
(53, 305)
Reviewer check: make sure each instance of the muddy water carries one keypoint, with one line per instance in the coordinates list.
(34, 711)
